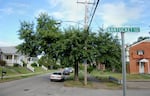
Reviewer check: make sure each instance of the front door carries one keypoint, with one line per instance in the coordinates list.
(141, 67)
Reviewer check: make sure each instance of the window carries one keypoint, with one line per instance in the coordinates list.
(140, 52)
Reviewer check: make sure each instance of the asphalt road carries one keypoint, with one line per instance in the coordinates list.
(41, 86)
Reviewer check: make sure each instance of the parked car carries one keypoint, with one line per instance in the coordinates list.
(66, 71)
(57, 76)
(71, 69)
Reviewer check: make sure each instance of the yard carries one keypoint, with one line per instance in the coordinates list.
(13, 73)
(100, 79)
(101, 74)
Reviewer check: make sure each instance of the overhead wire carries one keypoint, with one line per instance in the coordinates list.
(92, 8)
(93, 14)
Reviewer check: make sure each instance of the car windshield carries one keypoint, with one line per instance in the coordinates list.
(57, 73)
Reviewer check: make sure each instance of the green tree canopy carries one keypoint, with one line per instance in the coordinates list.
(71, 46)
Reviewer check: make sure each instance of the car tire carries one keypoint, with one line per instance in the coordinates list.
(51, 80)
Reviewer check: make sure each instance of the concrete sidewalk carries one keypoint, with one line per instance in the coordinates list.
(138, 84)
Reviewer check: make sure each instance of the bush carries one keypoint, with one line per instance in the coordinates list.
(81, 67)
(56, 66)
(90, 69)
(34, 65)
(2, 63)
(24, 64)
(16, 65)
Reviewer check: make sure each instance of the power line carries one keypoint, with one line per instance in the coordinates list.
(86, 3)
(92, 8)
(93, 14)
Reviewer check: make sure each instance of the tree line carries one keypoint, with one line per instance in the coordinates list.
(71, 46)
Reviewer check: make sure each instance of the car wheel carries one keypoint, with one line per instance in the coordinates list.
(51, 80)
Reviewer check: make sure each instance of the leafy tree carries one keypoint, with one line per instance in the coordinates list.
(27, 35)
(108, 51)
(47, 33)
(142, 38)
(71, 46)
(48, 62)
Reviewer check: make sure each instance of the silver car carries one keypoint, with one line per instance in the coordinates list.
(57, 76)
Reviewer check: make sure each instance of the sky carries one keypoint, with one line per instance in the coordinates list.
(131, 13)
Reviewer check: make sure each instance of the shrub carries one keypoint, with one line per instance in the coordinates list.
(24, 64)
(81, 67)
(34, 65)
(2, 63)
(56, 66)
(16, 65)
(90, 69)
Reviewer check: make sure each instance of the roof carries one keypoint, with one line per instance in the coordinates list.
(8, 50)
(143, 60)
(146, 40)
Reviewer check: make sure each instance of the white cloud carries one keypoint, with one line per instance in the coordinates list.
(119, 13)
(67, 9)
(19, 5)
(54, 3)
(3, 44)
(137, 1)
(57, 15)
(7, 10)
(14, 8)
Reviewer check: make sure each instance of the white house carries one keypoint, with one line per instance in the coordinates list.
(11, 56)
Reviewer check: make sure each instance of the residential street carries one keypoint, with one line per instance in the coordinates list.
(41, 86)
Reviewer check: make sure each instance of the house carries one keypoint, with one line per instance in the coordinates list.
(11, 56)
(139, 57)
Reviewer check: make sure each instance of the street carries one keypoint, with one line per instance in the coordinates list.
(41, 86)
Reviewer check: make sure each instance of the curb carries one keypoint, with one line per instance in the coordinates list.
(138, 80)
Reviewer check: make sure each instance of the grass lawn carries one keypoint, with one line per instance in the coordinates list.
(69, 82)
(103, 82)
(101, 74)
(15, 73)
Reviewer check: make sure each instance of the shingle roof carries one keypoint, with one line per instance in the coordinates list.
(8, 50)
(146, 40)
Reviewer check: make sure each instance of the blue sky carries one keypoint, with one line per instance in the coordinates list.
(109, 13)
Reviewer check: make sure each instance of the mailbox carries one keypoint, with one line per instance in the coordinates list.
(3, 72)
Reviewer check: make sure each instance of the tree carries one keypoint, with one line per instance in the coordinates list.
(109, 51)
(71, 46)
(27, 35)
(48, 33)
(142, 38)
(40, 40)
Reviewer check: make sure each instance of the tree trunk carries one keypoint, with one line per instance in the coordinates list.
(76, 71)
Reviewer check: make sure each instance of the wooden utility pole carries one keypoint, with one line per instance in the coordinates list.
(85, 28)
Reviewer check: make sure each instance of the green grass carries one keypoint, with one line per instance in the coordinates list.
(15, 73)
(105, 75)
(15, 70)
(138, 77)
(80, 83)
(104, 80)
(90, 84)
(39, 69)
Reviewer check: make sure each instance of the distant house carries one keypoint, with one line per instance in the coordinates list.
(139, 57)
(11, 56)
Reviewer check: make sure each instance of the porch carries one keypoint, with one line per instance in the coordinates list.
(144, 66)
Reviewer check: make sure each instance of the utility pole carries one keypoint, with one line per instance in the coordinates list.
(85, 28)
